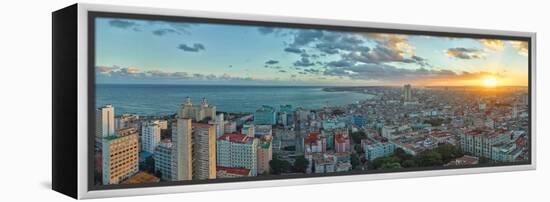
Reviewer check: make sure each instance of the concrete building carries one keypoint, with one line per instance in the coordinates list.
(197, 113)
(263, 131)
(407, 93)
(182, 150)
(237, 150)
(266, 115)
(105, 121)
(342, 142)
(127, 121)
(479, 142)
(163, 160)
(120, 156)
(230, 127)
(150, 136)
(204, 151)
(314, 143)
(264, 154)
(375, 149)
(248, 130)
(359, 120)
(505, 152)
(220, 125)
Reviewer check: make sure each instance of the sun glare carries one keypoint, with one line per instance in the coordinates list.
(490, 82)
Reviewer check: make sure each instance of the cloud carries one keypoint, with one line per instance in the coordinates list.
(306, 36)
(395, 42)
(114, 73)
(123, 24)
(465, 53)
(492, 44)
(195, 48)
(303, 62)
(282, 71)
(266, 30)
(521, 46)
(293, 50)
(165, 31)
(271, 62)
(106, 69)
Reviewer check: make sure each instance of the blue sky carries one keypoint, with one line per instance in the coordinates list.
(143, 51)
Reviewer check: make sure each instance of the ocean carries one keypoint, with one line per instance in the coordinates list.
(149, 100)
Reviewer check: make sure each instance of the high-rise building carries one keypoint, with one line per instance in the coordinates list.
(220, 125)
(407, 93)
(204, 151)
(237, 150)
(230, 127)
(120, 156)
(163, 160)
(150, 136)
(265, 115)
(479, 142)
(197, 113)
(127, 121)
(342, 142)
(248, 130)
(264, 154)
(182, 150)
(105, 121)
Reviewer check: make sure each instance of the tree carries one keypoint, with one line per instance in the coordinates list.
(449, 152)
(300, 164)
(409, 163)
(355, 161)
(429, 158)
(279, 166)
(358, 136)
(393, 165)
(378, 162)
(402, 155)
(358, 148)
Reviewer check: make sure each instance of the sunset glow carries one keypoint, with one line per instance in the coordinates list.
(490, 82)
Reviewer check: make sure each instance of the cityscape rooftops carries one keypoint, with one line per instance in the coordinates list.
(141, 177)
(234, 171)
(311, 137)
(235, 138)
(201, 125)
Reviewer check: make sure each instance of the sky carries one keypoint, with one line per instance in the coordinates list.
(168, 52)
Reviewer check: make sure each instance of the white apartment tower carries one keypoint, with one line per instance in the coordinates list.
(150, 136)
(105, 121)
(407, 93)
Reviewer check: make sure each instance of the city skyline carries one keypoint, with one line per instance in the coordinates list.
(130, 51)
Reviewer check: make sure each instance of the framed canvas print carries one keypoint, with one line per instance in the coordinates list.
(150, 101)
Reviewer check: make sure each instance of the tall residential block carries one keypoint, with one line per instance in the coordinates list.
(120, 156)
(150, 136)
(204, 151)
(182, 150)
(237, 150)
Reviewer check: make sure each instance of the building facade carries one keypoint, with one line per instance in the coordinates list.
(150, 136)
(182, 150)
(196, 113)
(236, 150)
(163, 160)
(265, 154)
(120, 156)
(266, 115)
(204, 151)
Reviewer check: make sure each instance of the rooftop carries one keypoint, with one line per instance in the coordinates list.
(141, 177)
(234, 171)
(235, 137)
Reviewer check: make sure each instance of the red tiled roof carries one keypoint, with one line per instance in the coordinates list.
(234, 171)
(312, 137)
(340, 138)
(234, 137)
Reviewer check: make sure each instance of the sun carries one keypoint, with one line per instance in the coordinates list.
(490, 82)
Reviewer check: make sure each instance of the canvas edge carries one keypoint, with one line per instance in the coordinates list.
(84, 193)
